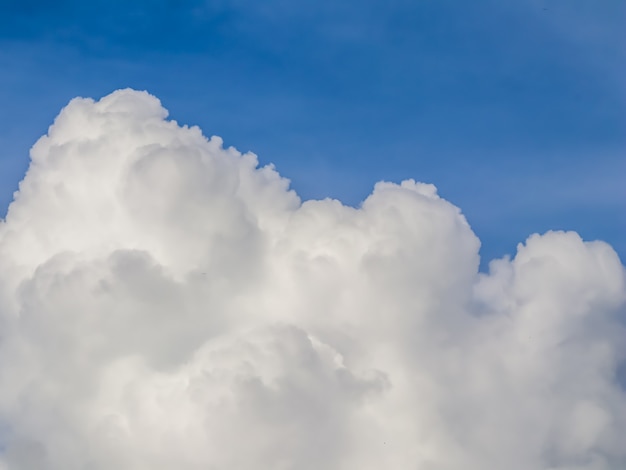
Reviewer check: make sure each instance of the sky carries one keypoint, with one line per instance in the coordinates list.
(514, 110)
(298, 236)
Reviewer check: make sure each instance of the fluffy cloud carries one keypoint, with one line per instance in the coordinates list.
(166, 303)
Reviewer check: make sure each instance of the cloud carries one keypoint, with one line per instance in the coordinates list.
(167, 303)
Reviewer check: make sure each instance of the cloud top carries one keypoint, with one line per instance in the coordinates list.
(167, 303)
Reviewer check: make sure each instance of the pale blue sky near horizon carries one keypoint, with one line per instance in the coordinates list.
(516, 111)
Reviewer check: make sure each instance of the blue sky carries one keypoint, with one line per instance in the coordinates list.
(515, 110)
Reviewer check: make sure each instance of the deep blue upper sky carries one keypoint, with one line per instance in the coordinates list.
(515, 110)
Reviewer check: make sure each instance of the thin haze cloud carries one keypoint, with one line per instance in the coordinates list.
(167, 303)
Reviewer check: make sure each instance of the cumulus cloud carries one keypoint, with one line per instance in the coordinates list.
(167, 303)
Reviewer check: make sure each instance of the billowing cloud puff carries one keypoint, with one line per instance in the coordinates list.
(166, 303)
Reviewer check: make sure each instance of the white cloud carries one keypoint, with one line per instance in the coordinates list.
(165, 303)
